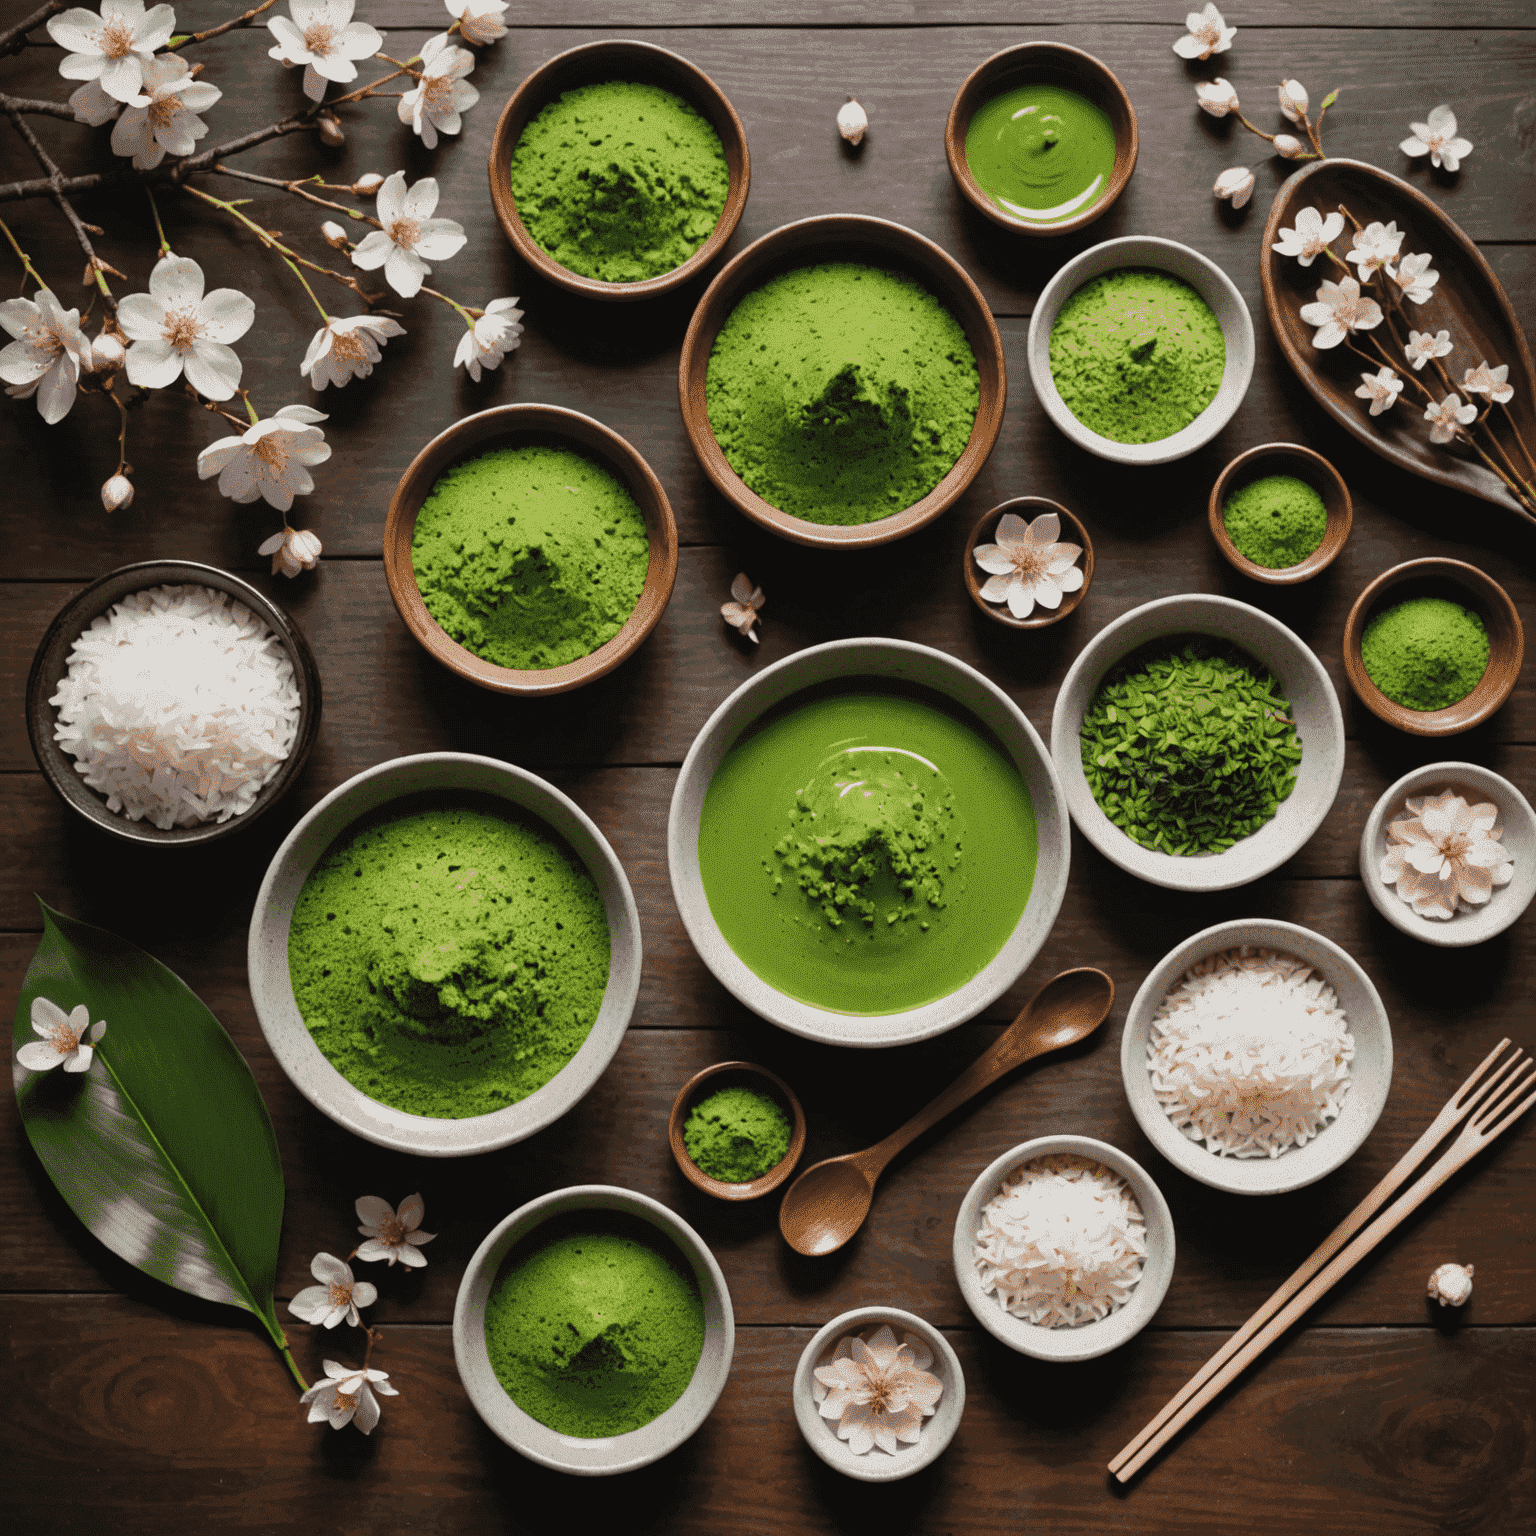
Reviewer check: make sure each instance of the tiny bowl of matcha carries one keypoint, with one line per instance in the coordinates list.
(737, 1130)
(1280, 513)
(444, 954)
(1041, 138)
(1140, 350)
(1031, 568)
(1433, 646)
(530, 549)
(593, 1330)
(619, 170)
(842, 381)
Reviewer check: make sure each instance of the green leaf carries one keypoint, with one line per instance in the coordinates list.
(1328, 101)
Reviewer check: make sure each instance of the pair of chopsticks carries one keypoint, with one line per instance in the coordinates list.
(1494, 1098)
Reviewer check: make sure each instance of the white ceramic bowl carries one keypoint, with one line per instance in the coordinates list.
(1507, 902)
(849, 660)
(1314, 706)
(272, 990)
(1208, 280)
(570, 1453)
(1088, 1340)
(877, 1466)
(1370, 1071)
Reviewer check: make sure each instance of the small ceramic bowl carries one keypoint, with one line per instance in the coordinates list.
(449, 774)
(591, 64)
(517, 426)
(1301, 463)
(875, 1465)
(1461, 583)
(1314, 706)
(1370, 1071)
(877, 243)
(1042, 64)
(1518, 822)
(1208, 280)
(736, 1074)
(985, 532)
(1086, 1341)
(571, 1453)
(50, 663)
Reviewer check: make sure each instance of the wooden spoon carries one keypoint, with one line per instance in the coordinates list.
(827, 1204)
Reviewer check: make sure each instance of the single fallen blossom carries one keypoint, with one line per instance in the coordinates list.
(1027, 565)
(48, 356)
(112, 47)
(270, 459)
(175, 329)
(1413, 277)
(1381, 389)
(347, 349)
(1312, 236)
(479, 20)
(1339, 309)
(1235, 184)
(346, 1396)
(336, 1298)
(1445, 856)
(1208, 34)
(878, 1391)
(393, 1234)
(293, 550)
(1451, 1284)
(1447, 416)
(1293, 101)
(92, 105)
(483, 345)
(741, 614)
(1374, 246)
(1492, 382)
(1423, 345)
(323, 38)
(64, 1041)
(1437, 139)
(410, 236)
(117, 493)
(852, 122)
(1218, 97)
(165, 120)
(442, 95)
(1289, 147)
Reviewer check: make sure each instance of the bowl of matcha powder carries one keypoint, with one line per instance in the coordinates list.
(736, 1130)
(1280, 513)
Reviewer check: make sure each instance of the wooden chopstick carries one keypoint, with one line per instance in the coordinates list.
(1496, 1091)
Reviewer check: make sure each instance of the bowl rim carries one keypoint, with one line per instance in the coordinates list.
(1335, 534)
(1042, 618)
(307, 1067)
(1361, 1111)
(1153, 251)
(764, 1183)
(538, 89)
(499, 1412)
(1103, 1334)
(58, 768)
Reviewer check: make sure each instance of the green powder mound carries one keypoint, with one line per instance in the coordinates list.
(1137, 355)
(1276, 522)
(530, 557)
(619, 181)
(449, 961)
(1427, 653)
(842, 393)
(596, 1332)
(736, 1135)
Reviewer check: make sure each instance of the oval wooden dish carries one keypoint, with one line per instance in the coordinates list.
(1468, 301)
(1303, 464)
(735, 1074)
(517, 426)
(591, 64)
(874, 242)
(985, 532)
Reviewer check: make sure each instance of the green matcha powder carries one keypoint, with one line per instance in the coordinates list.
(1427, 653)
(1276, 521)
(736, 1135)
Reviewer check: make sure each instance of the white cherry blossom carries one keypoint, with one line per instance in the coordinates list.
(116, 493)
(1381, 389)
(743, 612)
(175, 329)
(1493, 382)
(442, 95)
(336, 1298)
(1437, 139)
(1423, 345)
(1413, 277)
(92, 105)
(1027, 565)
(69, 1039)
(347, 349)
(323, 38)
(48, 356)
(498, 331)
(1293, 101)
(1447, 416)
(346, 1397)
(1208, 34)
(410, 236)
(1237, 183)
(479, 20)
(112, 47)
(271, 459)
(1375, 246)
(293, 550)
(1339, 309)
(392, 1234)
(1312, 235)
(1218, 97)
(165, 119)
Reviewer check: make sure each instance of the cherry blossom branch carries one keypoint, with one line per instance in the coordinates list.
(15, 39)
(1509, 416)
(26, 261)
(122, 430)
(216, 408)
(227, 26)
(297, 188)
(39, 108)
(365, 91)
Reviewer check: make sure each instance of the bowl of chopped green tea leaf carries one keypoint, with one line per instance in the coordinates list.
(1199, 742)
(1280, 513)
(736, 1130)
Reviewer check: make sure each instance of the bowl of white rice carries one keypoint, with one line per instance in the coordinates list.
(1064, 1248)
(1257, 1056)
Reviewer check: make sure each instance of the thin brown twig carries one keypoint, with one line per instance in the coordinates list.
(366, 90)
(227, 26)
(216, 408)
(1509, 416)
(298, 190)
(15, 39)
(40, 108)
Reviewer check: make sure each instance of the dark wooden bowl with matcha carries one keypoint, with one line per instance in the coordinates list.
(736, 1074)
(1301, 464)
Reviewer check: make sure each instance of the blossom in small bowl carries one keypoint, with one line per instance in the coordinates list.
(410, 236)
(878, 1391)
(346, 1396)
(337, 1297)
(1447, 417)
(479, 20)
(48, 356)
(1218, 97)
(747, 601)
(1312, 236)
(1293, 101)
(270, 459)
(64, 1041)
(1414, 277)
(1374, 246)
(112, 47)
(1207, 34)
(1445, 856)
(441, 95)
(347, 349)
(292, 550)
(1027, 565)
(175, 329)
(1339, 309)
(483, 345)
(1381, 389)
(1235, 184)
(323, 38)
(1437, 139)
(391, 1234)
(1423, 345)
(1492, 382)
(165, 119)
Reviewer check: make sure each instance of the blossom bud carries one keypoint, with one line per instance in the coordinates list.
(107, 353)
(366, 186)
(331, 131)
(1236, 184)
(1288, 147)
(335, 235)
(852, 122)
(1293, 101)
(1219, 97)
(117, 493)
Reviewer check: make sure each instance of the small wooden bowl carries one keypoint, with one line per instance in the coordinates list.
(591, 64)
(1462, 583)
(874, 242)
(736, 1074)
(1042, 64)
(1284, 459)
(1029, 508)
(514, 426)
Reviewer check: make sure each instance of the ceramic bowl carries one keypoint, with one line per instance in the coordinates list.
(1303, 464)
(1042, 64)
(847, 661)
(50, 663)
(1370, 1071)
(874, 242)
(1518, 822)
(590, 64)
(736, 1074)
(1208, 280)
(272, 992)
(517, 426)
(570, 1453)
(1086, 1341)
(985, 532)
(877, 1466)
(1461, 583)
(1314, 706)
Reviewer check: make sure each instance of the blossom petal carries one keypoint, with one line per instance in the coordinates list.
(992, 559)
(440, 238)
(226, 315)
(213, 369)
(154, 364)
(420, 202)
(176, 283)
(38, 1056)
(404, 271)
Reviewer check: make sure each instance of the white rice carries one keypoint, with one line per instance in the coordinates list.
(179, 705)
(1250, 1053)
(1063, 1242)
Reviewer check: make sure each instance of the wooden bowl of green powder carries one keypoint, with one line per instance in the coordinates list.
(736, 1130)
(1280, 513)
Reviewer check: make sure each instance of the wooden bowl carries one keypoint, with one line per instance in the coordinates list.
(1284, 459)
(875, 242)
(513, 426)
(1042, 64)
(591, 64)
(1462, 583)
(1029, 508)
(736, 1074)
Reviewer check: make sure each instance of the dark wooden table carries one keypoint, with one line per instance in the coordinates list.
(129, 1407)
